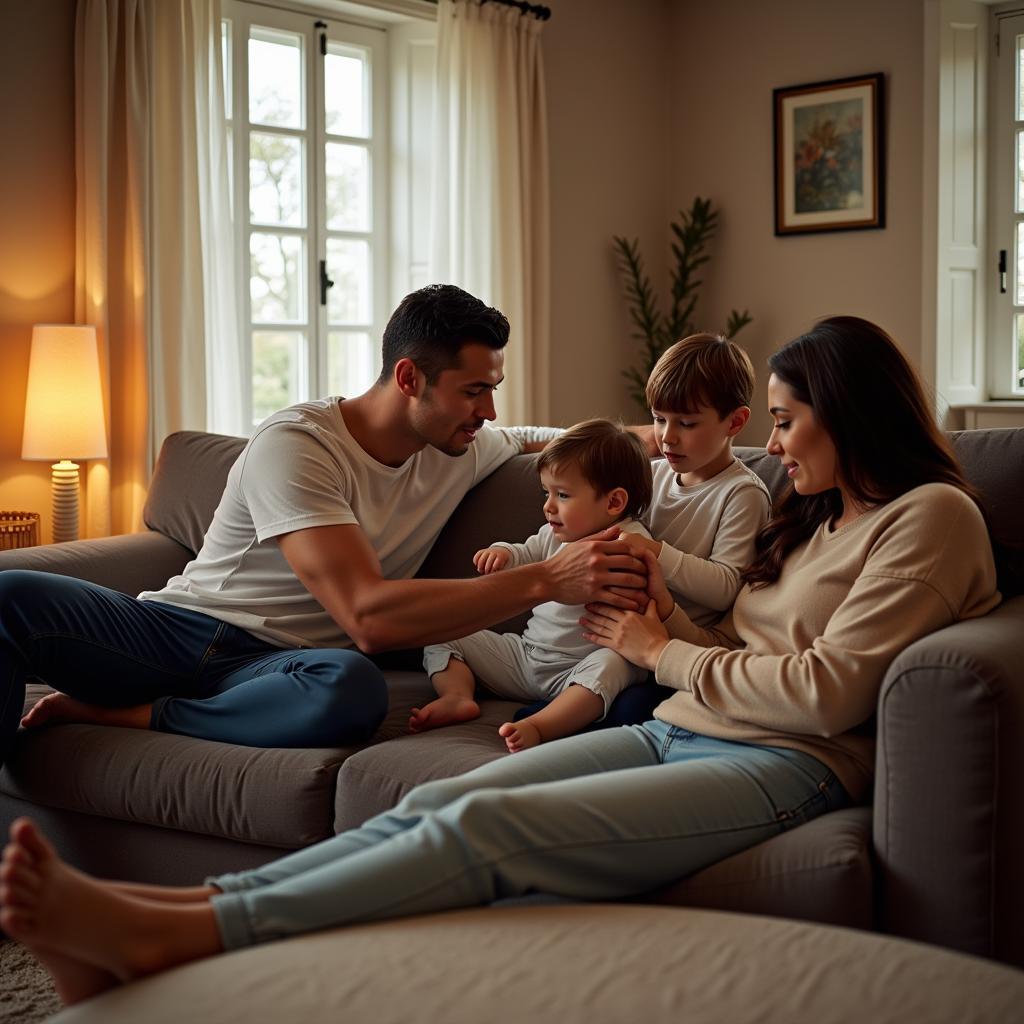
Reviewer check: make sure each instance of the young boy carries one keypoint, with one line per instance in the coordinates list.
(593, 476)
(707, 507)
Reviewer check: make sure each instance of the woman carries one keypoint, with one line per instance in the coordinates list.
(879, 542)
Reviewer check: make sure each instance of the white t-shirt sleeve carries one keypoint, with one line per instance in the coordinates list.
(495, 445)
(289, 482)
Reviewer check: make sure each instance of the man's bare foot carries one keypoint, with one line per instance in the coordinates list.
(62, 915)
(443, 711)
(520, 735)
(59, 707)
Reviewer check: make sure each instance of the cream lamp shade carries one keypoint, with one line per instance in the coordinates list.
(64, 413)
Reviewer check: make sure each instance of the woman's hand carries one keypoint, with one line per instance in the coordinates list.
(638, 638)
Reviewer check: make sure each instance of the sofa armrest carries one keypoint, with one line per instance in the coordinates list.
(948, 817)
(130, 563)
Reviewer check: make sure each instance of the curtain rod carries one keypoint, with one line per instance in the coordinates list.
(537, 10)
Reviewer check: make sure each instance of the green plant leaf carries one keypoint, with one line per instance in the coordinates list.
(691, 234)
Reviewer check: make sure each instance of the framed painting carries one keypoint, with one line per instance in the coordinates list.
(829, 156)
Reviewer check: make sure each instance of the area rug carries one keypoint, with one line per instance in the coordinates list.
(26, 992)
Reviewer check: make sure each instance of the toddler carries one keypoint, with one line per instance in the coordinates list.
(595, 475)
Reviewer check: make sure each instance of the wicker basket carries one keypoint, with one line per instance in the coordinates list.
(18, 530)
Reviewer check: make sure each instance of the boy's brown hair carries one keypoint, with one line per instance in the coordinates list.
(608, 456)
(703, 369)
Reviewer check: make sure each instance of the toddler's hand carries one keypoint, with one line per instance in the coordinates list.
(489, 560)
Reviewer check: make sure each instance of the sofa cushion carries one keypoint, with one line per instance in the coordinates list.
(188, 481)
(993, 461)
(593, 964)
(821, 871)
(511, 497)
(766, 466)
(273, 797)
(374, 779)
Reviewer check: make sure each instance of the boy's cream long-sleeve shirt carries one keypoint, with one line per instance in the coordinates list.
(799, 663)
(707, 532)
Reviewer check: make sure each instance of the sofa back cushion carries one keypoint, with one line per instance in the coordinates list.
(188, 481)
(192, 469)
(992, 461)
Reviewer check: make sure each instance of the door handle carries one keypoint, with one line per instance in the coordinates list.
(327, 283)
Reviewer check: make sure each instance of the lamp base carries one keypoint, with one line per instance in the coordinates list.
(65, 501)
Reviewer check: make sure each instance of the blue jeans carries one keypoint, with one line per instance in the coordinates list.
(602, 815)
(204, 677)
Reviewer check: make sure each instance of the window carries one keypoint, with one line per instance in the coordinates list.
(307, 120)
(1006, 126)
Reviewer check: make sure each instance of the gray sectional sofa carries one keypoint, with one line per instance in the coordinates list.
(937, 857)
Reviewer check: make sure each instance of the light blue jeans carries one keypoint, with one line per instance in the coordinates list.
(597, 816)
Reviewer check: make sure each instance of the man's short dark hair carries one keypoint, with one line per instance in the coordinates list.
(430, 327)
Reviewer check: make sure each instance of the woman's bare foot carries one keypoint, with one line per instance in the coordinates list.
(63, 915)
(74, 980)
(59, 707)
(166, 893)
(520, 735)
(443, 711)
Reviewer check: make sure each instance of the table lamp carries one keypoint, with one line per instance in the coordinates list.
(64, 413)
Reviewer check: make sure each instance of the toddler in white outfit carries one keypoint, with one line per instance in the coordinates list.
(595, 475)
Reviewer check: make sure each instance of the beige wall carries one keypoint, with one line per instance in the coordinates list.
(730, 55)
(37, 218)
(606, 64)
(650, 103)
(653, 103)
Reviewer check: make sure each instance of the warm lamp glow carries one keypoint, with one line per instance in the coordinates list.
(64, 413)
(64, 404)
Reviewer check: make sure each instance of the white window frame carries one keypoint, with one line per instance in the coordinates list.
(960, 264)
(1005, 213)
(310, 27)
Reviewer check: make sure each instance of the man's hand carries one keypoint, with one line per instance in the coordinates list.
(646, 434)
(598, 568)
(488, 560)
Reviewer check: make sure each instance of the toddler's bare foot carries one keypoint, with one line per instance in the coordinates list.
(59, 707)
(64, 916)
(520, 735)
(443, 711)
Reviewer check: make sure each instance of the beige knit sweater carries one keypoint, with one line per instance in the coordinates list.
(799, 663)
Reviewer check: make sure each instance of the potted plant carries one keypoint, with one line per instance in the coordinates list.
(691, 234)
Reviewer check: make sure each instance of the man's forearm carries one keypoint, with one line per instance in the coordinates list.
(411, 613)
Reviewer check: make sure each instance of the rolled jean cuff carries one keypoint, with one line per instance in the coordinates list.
(230, 882)
(233, 921)
(156, 713)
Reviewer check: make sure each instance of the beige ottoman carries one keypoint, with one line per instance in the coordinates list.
(591, 964)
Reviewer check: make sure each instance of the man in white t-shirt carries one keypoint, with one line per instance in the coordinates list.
(327, 514)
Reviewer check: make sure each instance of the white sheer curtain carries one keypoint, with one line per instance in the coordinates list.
(489, 194)
(152, 271)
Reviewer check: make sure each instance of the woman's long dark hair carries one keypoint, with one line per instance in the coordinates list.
(868, 398)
